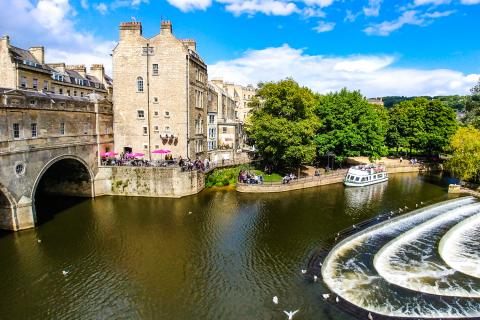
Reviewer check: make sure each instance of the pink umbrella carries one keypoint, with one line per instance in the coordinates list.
(138, 155)
(161, 151)
(108, 154)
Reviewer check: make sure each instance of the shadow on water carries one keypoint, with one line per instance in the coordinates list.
(48, 206)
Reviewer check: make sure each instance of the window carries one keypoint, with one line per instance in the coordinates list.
(155, 128)
(16, 131)
(139, 84)
(140, 114)
(81, 94)
(155, 99)
(155, 113)
(45, 85)
(145, 130)
(35, 84)
(74, 93)
(68, 92)
(157, 147)
(167, 114)
(62, 128)
(224, 129)
(34, 130)
(211, 119)
(60, 90)
(155, 69)
(23, 82)
(145, 146)
(33, 102)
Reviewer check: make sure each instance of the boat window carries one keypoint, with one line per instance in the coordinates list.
(357, 178)
(374, 176)
(363, 179)
(380, 175)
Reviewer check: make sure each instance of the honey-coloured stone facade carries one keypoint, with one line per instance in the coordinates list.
(160, 96)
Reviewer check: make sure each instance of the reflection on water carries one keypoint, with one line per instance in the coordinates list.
(140, 258)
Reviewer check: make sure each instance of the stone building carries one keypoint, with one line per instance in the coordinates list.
(212, 120)
(50, 142)
(160, 96)
(229, 127)
(242, 95)
(26, 69)
(376, 101)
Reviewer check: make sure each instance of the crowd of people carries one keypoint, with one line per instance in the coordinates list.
(288, 178)
(189, 165)
(248, 177)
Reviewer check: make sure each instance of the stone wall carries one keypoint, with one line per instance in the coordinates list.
(303, 183)
(148, 182)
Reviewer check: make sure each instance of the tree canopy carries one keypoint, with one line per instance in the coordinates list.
(465, 160)
(283, 123)
(421, 124)
(472, 107)
(350, 126)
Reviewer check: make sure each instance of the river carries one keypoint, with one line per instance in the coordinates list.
(216, 255)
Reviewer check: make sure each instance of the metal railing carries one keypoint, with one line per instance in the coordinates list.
(325, 176)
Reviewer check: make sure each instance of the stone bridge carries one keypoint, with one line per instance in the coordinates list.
(24, 176)
(49, 144)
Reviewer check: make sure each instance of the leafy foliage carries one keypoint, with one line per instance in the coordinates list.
(455, 102)
(472, 107)
(351, 126)
(421, 124)
(283, 123)
(465, 160)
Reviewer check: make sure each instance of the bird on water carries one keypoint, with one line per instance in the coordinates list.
(275, 300)
(290, 314)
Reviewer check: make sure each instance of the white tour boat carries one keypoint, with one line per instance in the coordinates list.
(365, 175)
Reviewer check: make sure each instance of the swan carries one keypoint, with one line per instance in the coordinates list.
(290, 314)
(370, 317)
(275, 300)
(64, 272)
(326, 296)
(304, 271)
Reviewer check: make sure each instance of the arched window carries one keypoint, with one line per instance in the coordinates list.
(139, 84)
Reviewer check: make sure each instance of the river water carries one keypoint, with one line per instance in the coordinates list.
(216, 255)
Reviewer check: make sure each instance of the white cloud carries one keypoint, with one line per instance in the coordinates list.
(439, 14)
(350, 16)
(430, 2)
(387, 27)
(101, 7)
(320, 3)
(189, 5)
(84, 4)
(323, 26)
(373, 75)
(469, 2)
(373, 8)
(310, 12)
(54, 29)
(268, 7)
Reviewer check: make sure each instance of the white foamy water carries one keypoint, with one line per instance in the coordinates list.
(412, 260)
(349, 272)
(460, 247)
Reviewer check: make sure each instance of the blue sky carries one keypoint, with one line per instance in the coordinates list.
(385, 47)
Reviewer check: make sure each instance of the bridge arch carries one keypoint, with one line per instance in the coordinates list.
(66, 175)
(7, 210)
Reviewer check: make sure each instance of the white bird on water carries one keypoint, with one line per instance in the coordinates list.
(354, 226)
(290, 314)
(275, 300)
(304, 271)
(39, 241)
(370, 317)
(326, 296)
(315, 278)
(65, 272)
(337, 299)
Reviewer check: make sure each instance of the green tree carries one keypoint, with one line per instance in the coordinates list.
(465, 161)
(472, 107)
(350, 126)
(421, 124)
(283, 123)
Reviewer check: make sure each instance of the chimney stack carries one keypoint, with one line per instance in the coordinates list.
(190, 43)
(38, 53)
(80, 68)
(98, 71)
(130, 29)
(166, 27)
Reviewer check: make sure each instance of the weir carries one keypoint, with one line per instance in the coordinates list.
(349, 270)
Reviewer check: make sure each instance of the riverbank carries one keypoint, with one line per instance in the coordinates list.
(336, 176)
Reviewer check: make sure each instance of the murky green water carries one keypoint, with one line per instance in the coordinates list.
(140, 258)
